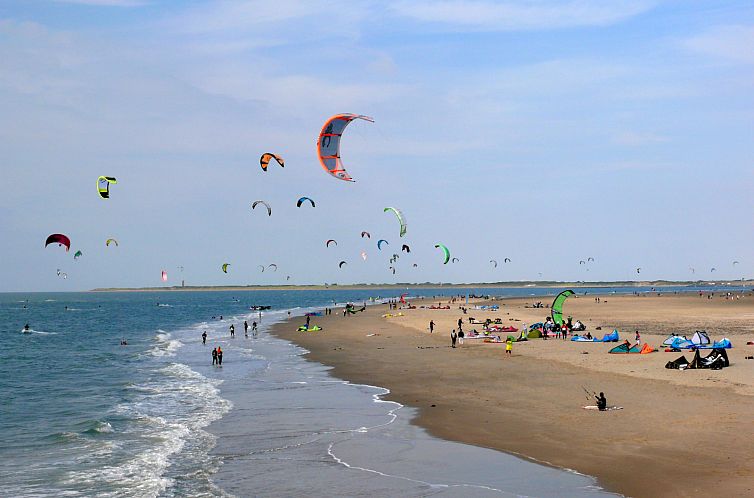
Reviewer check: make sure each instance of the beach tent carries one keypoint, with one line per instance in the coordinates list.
(611, 337)
(679, 363)
(534, 334)
(625, 348)
(700, 338)
(557, 306)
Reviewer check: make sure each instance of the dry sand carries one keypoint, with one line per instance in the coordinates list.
(682, 433)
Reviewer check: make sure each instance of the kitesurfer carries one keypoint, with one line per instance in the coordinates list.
(27, 328)
(232, 330)
(214, 356)
(219, 356)
(253, 326)
(204, 337)
(246, 328)
(601, 402)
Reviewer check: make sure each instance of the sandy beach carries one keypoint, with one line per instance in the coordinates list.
(681, 433)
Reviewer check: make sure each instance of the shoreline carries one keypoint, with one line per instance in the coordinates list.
(530, 405)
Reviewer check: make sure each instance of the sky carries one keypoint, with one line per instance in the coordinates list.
(547, 132)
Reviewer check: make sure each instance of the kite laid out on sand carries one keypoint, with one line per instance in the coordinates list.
(256, 203)
(60, 239)
(103, 186)
(264, 161)
(328, 144)
(445, 252)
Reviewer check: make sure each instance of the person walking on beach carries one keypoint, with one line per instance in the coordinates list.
(638, 338)
(232, 330)
(219, 356)
(509, 347)
(460, 324)
(460, 337)
(214, 356)
(246, 328)
(254, 327)
(453, 338)
(204, 337)
(431, 326)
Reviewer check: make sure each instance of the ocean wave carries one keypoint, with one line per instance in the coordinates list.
(166, 345)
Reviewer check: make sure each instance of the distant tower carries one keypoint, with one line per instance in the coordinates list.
(183, 283)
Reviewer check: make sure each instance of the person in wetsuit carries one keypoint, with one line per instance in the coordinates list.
(204, 337)
(601, 402)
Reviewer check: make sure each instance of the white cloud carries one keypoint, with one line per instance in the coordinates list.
(521, 15)
(734, 43)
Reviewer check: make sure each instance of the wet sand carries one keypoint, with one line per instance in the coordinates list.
(682, 433)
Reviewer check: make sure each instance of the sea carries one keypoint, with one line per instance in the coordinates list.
(84, 415)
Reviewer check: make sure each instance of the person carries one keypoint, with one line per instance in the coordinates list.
(638, 337)
(460, 337)
(453, 337)
(460, 323)
(589, 335)
(601, 402)
(509, 346)
(246, 328)
(204, 337)
(308, 319)
(232, 330)
(214, 356)
(123, 342)
(564, 331)
(27, 328)
(431, 326)
(219, 356)
(254, 326)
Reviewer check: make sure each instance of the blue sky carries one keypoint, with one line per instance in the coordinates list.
(543, 131)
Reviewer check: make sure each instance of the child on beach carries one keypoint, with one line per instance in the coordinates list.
(509, 347)
(638, 337)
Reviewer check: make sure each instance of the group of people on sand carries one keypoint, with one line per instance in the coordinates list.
(457, 337)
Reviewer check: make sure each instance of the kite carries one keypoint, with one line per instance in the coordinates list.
(590, 259)
(494, 263)
(269, 209)
(507, 260)
(64, 275)
(735, 263)
(271, 265)
(638, 270)
(109, 241)
(60, 239)
(363, 255)
(557, 306)
(401, 218)
(445, 251)
(225, 267)
(454, 260)
(396, 257)
(265, 160)
(103, 186)
(406, 248)
(365, 234)
(582, 262)
(328, 144)
(262, 267)
(164, 276)
(692, 270)
(77, 255)
(416, 266)
(327, 244)
(301, 201)
(713, 269)
(391, 268)
(340, 265)
(288, 277)
(379, 243)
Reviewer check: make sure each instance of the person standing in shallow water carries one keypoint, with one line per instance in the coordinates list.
(204, 337)
(246, 328)
(214, 356)
(219, 356)
(232, 330)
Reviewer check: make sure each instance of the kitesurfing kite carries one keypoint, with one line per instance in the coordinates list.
(111, 241)
(582, 262)
(494, 263)
(507, 260)
(363, 255)
(712, 269)
(455, 260)
(445, 251)
(557, 306)
(401, 218)
(273, 266)
(692, 270)
(391, 268)
(416, 266)
(164, 276)
(638, 270)
(225, 267)
(301, 201)
(406, 248)
(261, 267)
(380, 242)
(103, 186)
(265, 160)
(60, 239)
(365, 234)
(590, 259)
(269, 209)
(77, 255)
(327, 244)
(328, 144)
(735, 263)
(340, 265)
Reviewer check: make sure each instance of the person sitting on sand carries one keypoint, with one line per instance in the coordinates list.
(601, 402)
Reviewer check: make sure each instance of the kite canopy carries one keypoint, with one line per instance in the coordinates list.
(328, 144)
(225, 267)
(59, 238)
(103, 186)
(454, 260)
(401, 218)
(507, 260)
(269, 209)
(365, 234)
(380, 242)
(273, 266)
(164, 276)
(405, 248)
(557, 306)
(78, 255)
(333, 241)
(111, 241)
(590, 259)
(445, 252)
(494, 263)
(261, 267)
(363, 255)
(267, 156)
(391, 268)
(301, 201)
(340, 265)
(582, 262)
